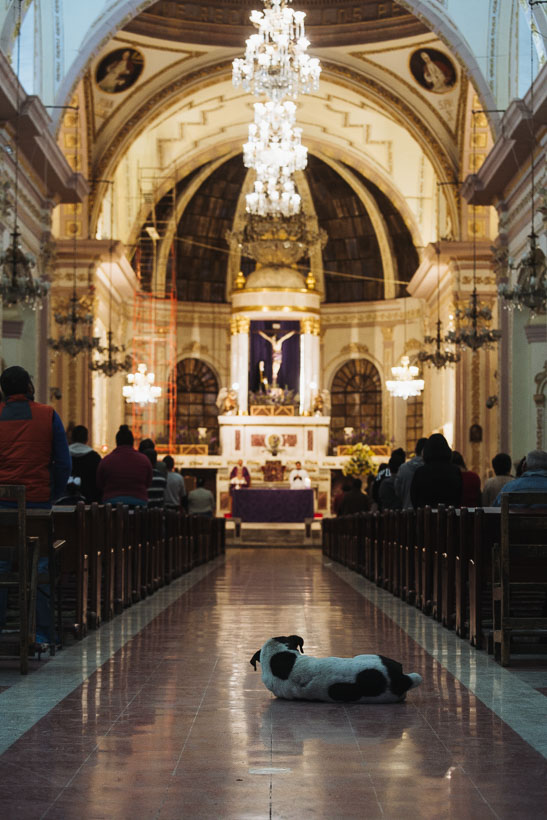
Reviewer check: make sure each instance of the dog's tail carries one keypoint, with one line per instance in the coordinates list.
(415, 679)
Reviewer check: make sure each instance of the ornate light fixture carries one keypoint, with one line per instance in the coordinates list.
(141, 389)
(405, 384)
(442, 355)
(530, 289)
(276, 63)
(110, 365)
(17, 284)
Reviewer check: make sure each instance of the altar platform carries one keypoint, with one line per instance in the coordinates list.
(273, 505)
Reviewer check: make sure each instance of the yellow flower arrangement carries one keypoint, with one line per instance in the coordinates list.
(360, 460)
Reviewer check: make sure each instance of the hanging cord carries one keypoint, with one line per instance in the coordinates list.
(17, 134)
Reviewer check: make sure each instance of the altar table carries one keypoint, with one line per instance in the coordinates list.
(272, 506)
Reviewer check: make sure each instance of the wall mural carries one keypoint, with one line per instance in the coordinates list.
(433, 70)
(119, 70)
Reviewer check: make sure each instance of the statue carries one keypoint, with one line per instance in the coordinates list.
(227, 401)
(277, 355)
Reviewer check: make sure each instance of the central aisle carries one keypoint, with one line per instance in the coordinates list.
(178, 725)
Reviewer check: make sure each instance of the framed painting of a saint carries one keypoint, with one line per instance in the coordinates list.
(119, 70)
(433, 70)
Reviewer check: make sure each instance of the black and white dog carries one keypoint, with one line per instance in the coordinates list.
(362, 679)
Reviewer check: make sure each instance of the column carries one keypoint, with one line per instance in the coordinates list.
(239, 361)
(309, 363)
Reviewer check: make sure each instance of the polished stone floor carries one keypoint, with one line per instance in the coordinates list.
(160, 715)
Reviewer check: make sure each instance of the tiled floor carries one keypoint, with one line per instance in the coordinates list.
(160, 715)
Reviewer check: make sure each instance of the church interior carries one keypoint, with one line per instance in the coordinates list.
(387, 282)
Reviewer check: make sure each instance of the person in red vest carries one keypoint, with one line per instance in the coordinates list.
(33, 452)
(33, 445)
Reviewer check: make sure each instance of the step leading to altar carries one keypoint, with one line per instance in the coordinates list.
(241, 534)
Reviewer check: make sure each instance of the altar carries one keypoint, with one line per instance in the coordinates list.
(272, 505)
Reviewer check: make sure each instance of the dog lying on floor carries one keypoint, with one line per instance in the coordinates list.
(290, 674)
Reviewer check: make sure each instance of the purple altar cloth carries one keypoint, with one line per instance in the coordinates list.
(272, 506)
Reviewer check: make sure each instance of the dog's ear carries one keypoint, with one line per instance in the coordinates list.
(296, 642)
(255, 659)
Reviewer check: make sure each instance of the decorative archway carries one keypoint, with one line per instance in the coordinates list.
(197, 391)
(356, 401)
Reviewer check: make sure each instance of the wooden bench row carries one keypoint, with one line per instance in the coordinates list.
(110, 557)
(439, 560)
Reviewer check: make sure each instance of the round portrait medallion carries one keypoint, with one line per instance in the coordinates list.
(433, 70)
(119, 70)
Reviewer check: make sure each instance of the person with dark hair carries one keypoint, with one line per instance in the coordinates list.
(148, 444)
(72, 494)
(33, 452)
(84, 463)
(33, 446)
(340, 493)
(354, 500)
(501, 464)
(201, 501)
(156, 490)
(533, 478)
(398, 455)
(175, 491)
(471, 483)
(123, 476)
(387, 496)
(405, 474)
(438, 481)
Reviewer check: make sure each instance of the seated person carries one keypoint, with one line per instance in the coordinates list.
(72, 494)
(354, 501)
(533, 478)
(239, 477)
(125, 475)
(502, 476)
(201, 501)
(299, 478)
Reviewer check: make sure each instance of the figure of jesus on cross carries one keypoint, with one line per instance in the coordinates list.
(277, 353)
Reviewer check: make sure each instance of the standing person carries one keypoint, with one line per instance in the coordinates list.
(354, 500)
(405, 474)
(124, 475)
(156, 490)
(175, 491)
(33, 452)
(33, 446)
(84, 463)
(501, 464)
(201, 501)
(387, 497)
(533, 478)
(438, 481)
(471, 483)
(299, 478)
(239, 477)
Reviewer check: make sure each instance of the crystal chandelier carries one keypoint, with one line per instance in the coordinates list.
(141, 389)
(110, 365)
(17, 284)
(530, 290)
(405, 384)
(274, 145)
(76, 316)
(275, 62)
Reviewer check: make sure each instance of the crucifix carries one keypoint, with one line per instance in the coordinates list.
(277, 353)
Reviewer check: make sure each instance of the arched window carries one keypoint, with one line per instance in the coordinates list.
(197, 390)
(356, 401)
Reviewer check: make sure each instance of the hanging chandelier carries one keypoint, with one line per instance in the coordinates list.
(141, 389)
(274, 145)
(530, 289)
(17, 284)
(405, 384)
(275, 62)
(441, 355)
(110, 365)
(470, 334)
(77, 316)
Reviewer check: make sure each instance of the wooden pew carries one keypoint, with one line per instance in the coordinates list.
(461, 568)
(21, 577)
(70, 524)
(438, 548)
(408, 581)
(417, 552)
(95, 549)
(519, 590)
(486, 532)
(106, 520)
(448, 569)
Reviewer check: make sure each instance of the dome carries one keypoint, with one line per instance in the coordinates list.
(275, 277)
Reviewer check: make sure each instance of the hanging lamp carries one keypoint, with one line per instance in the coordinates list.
(405, 383)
